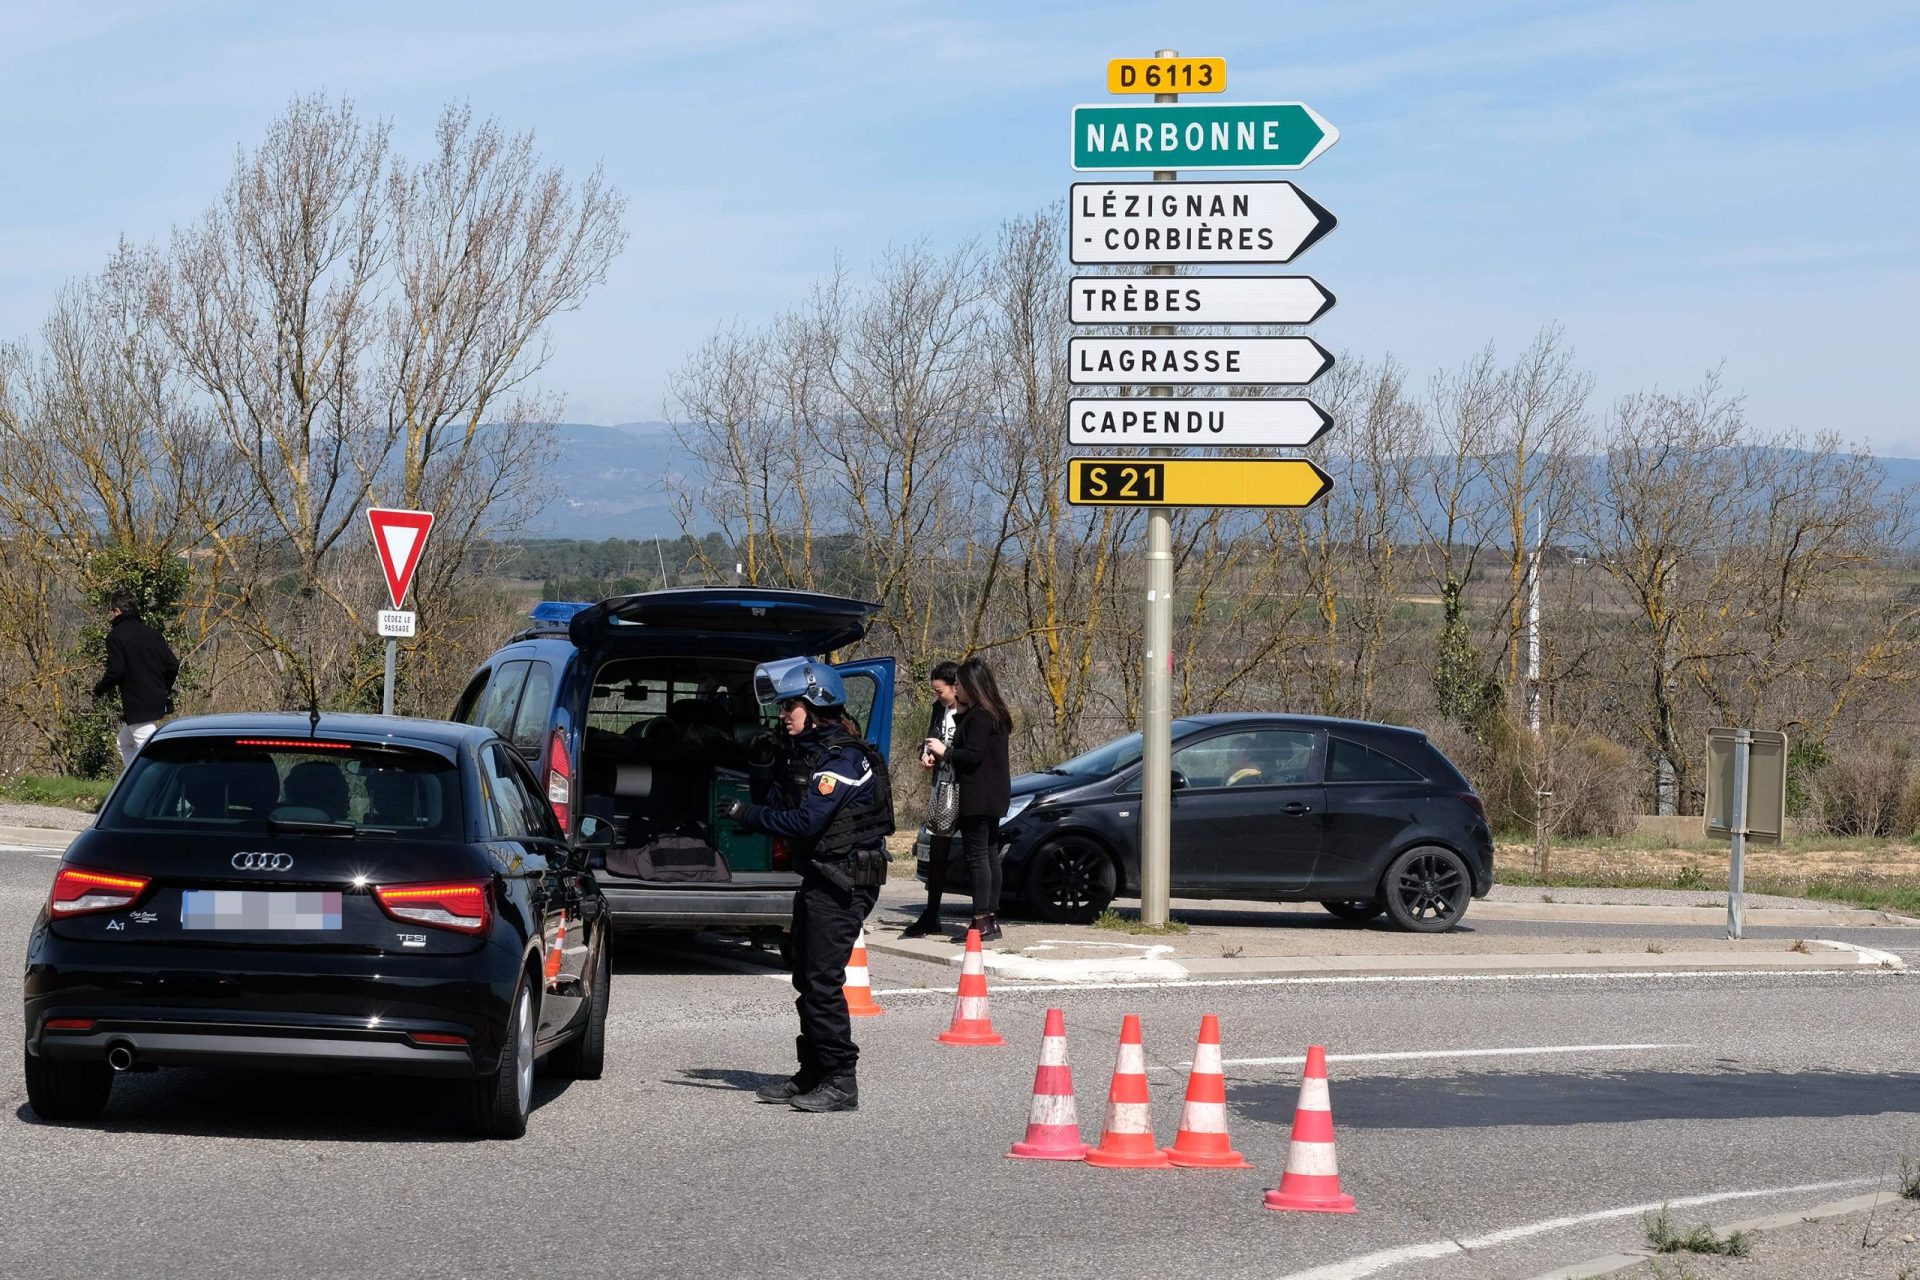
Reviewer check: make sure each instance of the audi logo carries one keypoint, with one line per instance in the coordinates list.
(263, 862)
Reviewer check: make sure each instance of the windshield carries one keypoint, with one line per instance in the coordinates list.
(253, 785)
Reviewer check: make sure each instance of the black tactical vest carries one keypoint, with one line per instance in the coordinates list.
(866, 820)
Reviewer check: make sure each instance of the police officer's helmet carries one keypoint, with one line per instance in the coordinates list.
(811, 682)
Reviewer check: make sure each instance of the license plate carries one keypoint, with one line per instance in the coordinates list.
(256, 910)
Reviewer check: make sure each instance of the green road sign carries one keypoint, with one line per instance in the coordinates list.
(1224, 135)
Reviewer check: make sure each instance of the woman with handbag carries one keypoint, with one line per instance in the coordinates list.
(943, 807)
(978, 755)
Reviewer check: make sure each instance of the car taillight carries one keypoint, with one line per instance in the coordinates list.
(69, 1024)
(782, 858)
(559, 778)
(77, 891)
(455, 904)
(1475, 803)
(437, 1039)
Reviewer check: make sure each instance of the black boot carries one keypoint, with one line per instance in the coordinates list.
(928, 923)
(992, 932)
(802, 1081)
(835, 1093)
(982, 923)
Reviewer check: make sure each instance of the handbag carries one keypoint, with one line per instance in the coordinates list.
(943, 807)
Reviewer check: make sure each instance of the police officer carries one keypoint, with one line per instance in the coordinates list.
(828, 795)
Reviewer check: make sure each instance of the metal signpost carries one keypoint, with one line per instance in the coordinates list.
(1162, 226)
(1746, 800)
(399, 536)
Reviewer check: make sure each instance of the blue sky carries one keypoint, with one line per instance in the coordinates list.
(1680, 184)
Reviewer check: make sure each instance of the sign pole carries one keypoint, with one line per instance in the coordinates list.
(386, 689)
(1737, 836)
(1156, 754)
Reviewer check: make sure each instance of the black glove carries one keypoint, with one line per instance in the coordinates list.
(765, 750)
(731, 808)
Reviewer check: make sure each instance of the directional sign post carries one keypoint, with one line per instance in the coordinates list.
(399, 536)
(1195, 422)
(1194, 222)
(1194, 482)
(1201, 362)
(1197, 300)
(1227, 135)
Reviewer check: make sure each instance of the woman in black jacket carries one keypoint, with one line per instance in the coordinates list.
(979, 758)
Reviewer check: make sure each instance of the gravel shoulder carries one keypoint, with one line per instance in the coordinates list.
(44, 815)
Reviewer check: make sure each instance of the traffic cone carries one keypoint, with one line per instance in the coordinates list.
(858, 987)
(1202, 1140)
(1312, 1180)
(970, 1023)
(1053, 1130)
(1127, 1142)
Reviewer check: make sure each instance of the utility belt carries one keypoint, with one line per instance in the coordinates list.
(858, 868)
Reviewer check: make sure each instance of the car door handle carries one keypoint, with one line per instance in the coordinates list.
(1296, 809)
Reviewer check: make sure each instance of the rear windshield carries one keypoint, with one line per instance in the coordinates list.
(242, 785)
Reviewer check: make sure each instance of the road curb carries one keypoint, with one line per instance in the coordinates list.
(1614, 1263)
(1154, 966)
(37, 837)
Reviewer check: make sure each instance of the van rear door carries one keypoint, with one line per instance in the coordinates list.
(749, 621)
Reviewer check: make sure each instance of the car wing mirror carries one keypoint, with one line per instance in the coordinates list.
(595, 834)
(1179, 780)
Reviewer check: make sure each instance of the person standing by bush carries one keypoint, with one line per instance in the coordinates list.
(143, 669)
(945, 683)
(979, 759)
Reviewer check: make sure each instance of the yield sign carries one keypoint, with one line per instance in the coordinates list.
(399, 537)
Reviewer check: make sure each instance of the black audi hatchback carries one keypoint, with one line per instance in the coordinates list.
(1366, 819)
(356, 893)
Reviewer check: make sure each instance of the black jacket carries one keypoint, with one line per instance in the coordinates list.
(141, 667)
(979, 756)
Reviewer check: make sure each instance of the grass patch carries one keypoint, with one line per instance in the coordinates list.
(1910, 1178)
(1129, 922)
(1664, 1237)
(1900, 895)
(84, 794)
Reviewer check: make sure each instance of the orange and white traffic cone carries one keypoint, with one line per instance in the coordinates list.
(858, 987)
(970, 1023)
(1127, 1141)
(1312, 1180)
(1053, 1130)
(1202, 1141)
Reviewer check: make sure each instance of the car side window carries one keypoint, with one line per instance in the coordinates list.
(502, 700)
(536, 707)
(539, 811)
(1248, 758)
(1351, 762)
(508, 807)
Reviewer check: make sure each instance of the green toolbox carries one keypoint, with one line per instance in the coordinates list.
(744, 850)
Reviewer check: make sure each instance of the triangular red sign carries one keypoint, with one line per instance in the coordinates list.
(399, 536)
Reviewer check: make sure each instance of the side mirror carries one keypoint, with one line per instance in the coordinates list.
(595, 834)
(1179, 780)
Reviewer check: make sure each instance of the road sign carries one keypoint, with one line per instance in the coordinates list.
(1194, 482)
(1766, 799)
(1196, 300)
(1193, 222)
(1167, 75)
(396, 622)
(1226, 135)
(1216, 422)
(399, 536)
(1206, 362)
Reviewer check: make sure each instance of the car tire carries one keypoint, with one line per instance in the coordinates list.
(498, 1102)
(67, 1090)
(1070, 880)
(1426, 889)
(1355, 911)
(585, 1056)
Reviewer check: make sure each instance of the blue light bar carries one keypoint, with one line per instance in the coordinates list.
(558, 610)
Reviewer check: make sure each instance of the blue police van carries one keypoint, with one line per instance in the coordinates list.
(640, 711)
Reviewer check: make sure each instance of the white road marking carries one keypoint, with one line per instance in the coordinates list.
(1372, 1263)
(1022, 988)
(1868, 955)
(1413, 1055)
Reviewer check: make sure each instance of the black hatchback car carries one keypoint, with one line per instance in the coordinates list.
(1363, 818)
(357, 894)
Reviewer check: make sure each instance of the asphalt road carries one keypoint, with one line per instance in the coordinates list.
(666, 1168)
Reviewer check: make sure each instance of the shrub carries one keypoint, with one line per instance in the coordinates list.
(1865, 791)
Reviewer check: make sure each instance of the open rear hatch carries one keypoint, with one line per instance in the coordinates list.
(741, 621)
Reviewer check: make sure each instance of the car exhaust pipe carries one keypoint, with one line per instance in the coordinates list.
(120, 1057)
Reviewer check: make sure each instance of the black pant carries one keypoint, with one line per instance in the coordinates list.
(938, 848)
(826, 920)
(980, 837)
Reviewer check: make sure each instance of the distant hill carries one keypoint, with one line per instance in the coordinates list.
(612, 482)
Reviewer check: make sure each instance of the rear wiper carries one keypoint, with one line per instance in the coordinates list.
(1057, 769)
(286, 825)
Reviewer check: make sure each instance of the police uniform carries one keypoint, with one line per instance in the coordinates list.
(833, 803)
